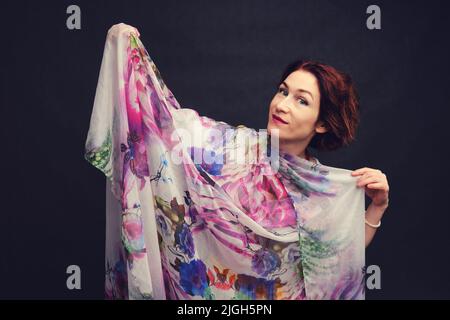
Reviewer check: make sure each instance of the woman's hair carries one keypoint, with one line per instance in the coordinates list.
(339, 105)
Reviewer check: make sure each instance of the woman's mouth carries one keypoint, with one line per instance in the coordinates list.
(278, 119)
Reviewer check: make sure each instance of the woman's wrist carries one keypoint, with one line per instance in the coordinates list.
(380, 207)
(374, 213)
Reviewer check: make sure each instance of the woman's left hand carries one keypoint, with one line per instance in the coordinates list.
(375, 184)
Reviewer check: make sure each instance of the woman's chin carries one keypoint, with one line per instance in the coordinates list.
(273, 130)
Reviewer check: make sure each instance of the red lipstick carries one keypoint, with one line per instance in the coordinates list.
(278, 119)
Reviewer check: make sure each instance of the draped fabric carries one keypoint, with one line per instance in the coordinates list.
(200, 209)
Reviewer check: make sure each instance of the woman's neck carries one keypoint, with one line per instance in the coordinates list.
(296, 150)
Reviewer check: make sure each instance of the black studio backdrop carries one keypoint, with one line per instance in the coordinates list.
(222, 58)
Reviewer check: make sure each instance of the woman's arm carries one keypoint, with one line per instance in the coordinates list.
(377, 188)
(374, 214)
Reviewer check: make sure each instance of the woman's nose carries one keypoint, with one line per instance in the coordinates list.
(282, 106)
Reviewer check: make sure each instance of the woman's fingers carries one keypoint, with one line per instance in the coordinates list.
(364, 170)
(121, 28)
(359, 171)
(367, 174)
(371, 179)
(377, 185)
(370, 176)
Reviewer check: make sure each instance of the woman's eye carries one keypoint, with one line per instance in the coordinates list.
(281, 90)
(304, 101)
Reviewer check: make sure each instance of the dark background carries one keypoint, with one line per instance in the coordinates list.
(222, 58)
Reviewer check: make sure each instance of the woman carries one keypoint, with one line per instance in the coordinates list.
(186, 219)
(316, 105)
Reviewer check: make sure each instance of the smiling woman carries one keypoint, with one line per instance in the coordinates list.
(228, 230)
(315, 105)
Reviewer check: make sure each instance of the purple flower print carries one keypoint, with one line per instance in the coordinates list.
(162, 224)
(251, 288)
(116, 280)
(193, 278)
(265, 262)
(184, 240)
(293, 254)
(213, 168)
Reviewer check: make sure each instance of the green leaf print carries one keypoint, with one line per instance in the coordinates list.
(208, 295)
(100, 157)
(238, 295)
(316, 253)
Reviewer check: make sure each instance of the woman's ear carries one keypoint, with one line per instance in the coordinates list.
(320, 127)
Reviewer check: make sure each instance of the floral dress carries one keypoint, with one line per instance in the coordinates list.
(200, 209)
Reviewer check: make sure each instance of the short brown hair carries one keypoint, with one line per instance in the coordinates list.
(339, 104)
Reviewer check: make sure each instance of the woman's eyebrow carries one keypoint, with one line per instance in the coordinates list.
(300, 90)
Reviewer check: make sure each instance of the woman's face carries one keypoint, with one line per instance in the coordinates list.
(296, 103)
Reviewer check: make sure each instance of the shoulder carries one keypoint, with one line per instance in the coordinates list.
(314, 160)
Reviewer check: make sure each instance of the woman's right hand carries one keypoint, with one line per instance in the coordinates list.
(119, 28)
